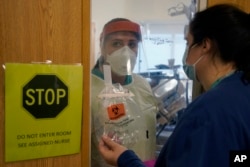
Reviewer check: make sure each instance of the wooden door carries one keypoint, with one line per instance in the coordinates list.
(244, 4)
(40, 30)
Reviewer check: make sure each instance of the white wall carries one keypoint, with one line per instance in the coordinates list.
(143, 11)
(151, 14)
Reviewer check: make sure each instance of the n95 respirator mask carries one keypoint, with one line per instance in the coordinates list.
(122, 61)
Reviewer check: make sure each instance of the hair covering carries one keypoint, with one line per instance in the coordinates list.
(122, 25)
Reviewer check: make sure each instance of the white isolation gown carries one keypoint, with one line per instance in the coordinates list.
(146, 146)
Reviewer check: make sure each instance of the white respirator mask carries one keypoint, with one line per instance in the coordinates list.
(122, 61)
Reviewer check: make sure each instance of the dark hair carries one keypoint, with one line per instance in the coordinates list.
(229, 27)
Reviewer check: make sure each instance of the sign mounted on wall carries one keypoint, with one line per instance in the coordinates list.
(43, 110)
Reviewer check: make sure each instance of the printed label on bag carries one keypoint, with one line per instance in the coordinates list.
(116, 111)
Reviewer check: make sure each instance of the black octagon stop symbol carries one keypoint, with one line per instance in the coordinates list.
(45, 96)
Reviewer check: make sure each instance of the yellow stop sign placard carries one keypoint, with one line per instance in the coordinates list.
(45, 96)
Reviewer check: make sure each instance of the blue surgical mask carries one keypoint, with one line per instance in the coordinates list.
(189, 69)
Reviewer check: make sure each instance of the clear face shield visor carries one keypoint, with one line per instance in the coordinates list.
(120, 52)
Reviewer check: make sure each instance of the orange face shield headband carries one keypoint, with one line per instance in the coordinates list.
(121, 26)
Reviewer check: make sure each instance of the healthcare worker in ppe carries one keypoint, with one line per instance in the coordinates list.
(119, 42)
(216, 122)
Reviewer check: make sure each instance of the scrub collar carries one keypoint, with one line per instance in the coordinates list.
(221, 79)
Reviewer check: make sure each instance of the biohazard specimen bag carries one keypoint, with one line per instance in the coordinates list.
(118, 116)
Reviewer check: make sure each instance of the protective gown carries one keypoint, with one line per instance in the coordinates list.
(146, 146)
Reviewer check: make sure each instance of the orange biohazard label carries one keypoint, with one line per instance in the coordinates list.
(116, 111)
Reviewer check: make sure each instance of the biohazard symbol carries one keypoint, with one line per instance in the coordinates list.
(116, 111)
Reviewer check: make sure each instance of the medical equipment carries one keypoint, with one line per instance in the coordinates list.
(172, 94)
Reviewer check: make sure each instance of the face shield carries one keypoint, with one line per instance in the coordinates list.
(119, 46)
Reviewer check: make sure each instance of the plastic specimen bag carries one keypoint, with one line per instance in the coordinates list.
(119, 117)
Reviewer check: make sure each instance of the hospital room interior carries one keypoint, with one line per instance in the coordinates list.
(159, 59)
(62, 35)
